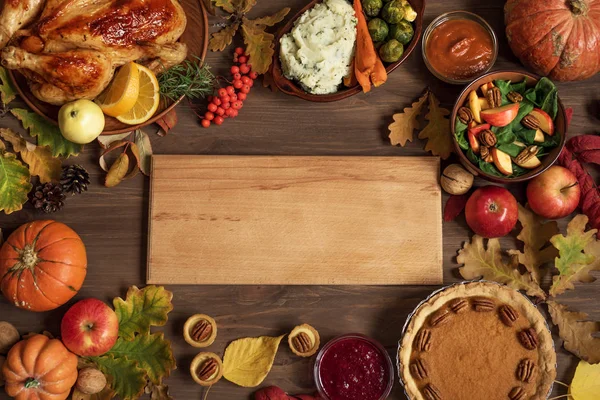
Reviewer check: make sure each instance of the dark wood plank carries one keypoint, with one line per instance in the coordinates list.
(113, 222)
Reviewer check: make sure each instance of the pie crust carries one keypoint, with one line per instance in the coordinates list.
(494, 346)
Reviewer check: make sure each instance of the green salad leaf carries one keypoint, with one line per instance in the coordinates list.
(545, 96)
(460, 132)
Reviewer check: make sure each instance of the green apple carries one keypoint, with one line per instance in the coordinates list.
(81, 121)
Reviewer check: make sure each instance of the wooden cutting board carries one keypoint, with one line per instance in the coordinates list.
(295, 220)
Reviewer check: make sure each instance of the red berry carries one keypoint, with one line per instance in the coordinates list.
(209, 116)
(245, 89)
(233, 97)
(243, 59)
(229, 111)
(244, 68)
(212, 107)
(239, 51)
(237, 76)
(205, 123)
(241, 96)
(253, 75)
(230, 90)
(235, 58)
(226, 106)
(220, 111)
(209, 98)
(225, 99)
(222, 92)
(238, 84)
(246, 79)
(216, 101)
(234, 113)
(235, 69)
(237, 105)
(219, 120)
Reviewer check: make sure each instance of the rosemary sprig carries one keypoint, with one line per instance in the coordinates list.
(191, 78)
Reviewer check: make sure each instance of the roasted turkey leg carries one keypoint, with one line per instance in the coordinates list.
(16, 14)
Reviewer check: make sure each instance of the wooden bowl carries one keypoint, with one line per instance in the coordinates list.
(195, 36)
(294, 89)
(560, 127)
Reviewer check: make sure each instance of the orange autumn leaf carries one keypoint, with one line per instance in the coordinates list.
(365, 56)
(437, 132)
(405, 123)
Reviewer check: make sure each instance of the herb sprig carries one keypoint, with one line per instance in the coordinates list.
(191, 78)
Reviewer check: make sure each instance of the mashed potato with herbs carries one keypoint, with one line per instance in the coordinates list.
(319, 50)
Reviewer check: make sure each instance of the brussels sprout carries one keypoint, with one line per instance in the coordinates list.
(409, 13)
(391, 51)
(402, 32)
(378, 29)
(372, 7)
(393, 12)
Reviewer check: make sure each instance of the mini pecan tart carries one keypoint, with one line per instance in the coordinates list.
(478, 340)
(304, 340)
(200, 330)
(206, 369)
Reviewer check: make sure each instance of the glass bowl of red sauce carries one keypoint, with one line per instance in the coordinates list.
(354, 367)
(459, 46)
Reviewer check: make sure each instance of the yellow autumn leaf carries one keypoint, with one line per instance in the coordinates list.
(259, 43)
(401, 130)
(247, 361)
(586, 382)
(223, 38)
(117, 171)
(437, 131)
(38, 158)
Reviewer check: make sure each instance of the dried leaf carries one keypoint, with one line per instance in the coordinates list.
(586, 382)
(579, 253)
(437, 131)
(479, 262)
(113, 146)
(39, 159)
(454, 206)
(247, 361)
(259, 43)
(158, 392)
(124, 376)
(142, 309)
(117, 171)
(106, 140)
(136, 166)
(227, 5)
(577, 332)
(271, 20)
(14, 183)
(401, 130)
(167, 122)
(145, 149)
(223, 38)
(535, 235)
(7, 91)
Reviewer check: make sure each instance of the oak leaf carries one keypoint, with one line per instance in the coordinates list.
(437, 131)
(248, 361)
(577, 332)
(579, 253)
(259, 43)
(586, 382)
(141, 309)
(235, 6)
(39, 159)
(535, 235)
(158, 392)
(479, 262)
(405, 123)
(14, 182)
(223, 38)
(7, 91)
(124, 375)
(271, 20)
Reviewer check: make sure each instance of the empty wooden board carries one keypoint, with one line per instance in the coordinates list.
(295, 220)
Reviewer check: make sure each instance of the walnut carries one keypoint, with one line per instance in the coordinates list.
(9, 335)
(90, 381)
(456, 180)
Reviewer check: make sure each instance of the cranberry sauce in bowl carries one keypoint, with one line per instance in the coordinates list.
(353, 367)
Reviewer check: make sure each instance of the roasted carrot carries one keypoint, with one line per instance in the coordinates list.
(365, 56)
(350, 79)
(379, 74)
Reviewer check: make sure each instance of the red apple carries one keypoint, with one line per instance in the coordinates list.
(554, 194)
(89, 328)
(491, 211)
(500, 116)
(545, 120)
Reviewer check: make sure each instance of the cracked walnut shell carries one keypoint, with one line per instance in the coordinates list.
(200, 330)
(206, 369)
(304, 340)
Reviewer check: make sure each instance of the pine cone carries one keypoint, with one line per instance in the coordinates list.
(48, 197)
(74, 179)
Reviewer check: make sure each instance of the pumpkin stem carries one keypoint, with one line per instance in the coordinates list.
(578, 7)
(29, 257)
(31, 383)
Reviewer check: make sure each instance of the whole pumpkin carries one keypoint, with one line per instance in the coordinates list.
(42, 265)
(39, 368)
(556, 38)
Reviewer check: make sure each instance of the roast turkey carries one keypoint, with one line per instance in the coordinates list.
(69, 49)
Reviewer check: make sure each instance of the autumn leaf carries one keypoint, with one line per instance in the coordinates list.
(117, 171)
(14, 183)
(437, 131)
(7, 91)
(39, 159)
(586, 382)
(106, 140)
(577, 332)
(227, 5)
(479, 262)
(247, 361)
(579, 253)
(46, 133)
(167, 122)
(271, 20)
(535, 235)
(158, 392)
(223, 38)
(142, 142)
(259, 43)
(401, 130)
(141, 309)
(124, 376)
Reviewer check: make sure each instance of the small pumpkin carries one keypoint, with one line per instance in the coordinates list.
(42, 265)
(556, 38)
(39, 368)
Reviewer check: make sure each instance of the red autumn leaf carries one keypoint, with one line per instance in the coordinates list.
(569, 115)
(167, 122)
(454, 206)
(589, 156)
(271, 393)
(308, 397)
(583, 143)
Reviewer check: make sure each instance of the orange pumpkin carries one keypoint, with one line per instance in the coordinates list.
(42, 265)
(39, 368)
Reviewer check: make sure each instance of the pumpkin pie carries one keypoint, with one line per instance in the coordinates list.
(477, 341)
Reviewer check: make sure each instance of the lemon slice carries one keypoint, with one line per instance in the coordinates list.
(122, 93)
(147, 101)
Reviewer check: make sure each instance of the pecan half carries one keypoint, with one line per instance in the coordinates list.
(440, 317)
(514, 97)
(508, 315)
(302, 342)
(526, 154)
(494, 97)
(483, 304)
(517, 393)
(201, 331)
(430, 392)
(528, 338)
(459, 305)
(418, 369)
(423, 340)
(465, 115)
(525, 370)
(207, 369)
(484, 152)
(530, 122)
(488, 138)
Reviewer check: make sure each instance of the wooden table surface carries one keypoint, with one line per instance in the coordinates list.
(113, 222)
